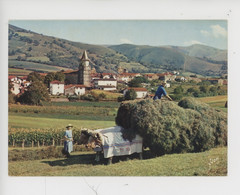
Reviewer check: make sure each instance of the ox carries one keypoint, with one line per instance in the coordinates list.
(111, 143)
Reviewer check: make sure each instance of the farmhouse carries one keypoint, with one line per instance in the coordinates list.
(167, 76)
(74, 89)
(141, 92)
(56, 87)
(128, 76)
(151, 77)
(105, 84)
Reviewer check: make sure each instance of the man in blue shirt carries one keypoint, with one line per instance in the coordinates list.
(161, 92)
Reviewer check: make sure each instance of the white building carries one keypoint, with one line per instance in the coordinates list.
(126, 77)
(74, 90)
(56, 88)
(105, 84)
(141, 92)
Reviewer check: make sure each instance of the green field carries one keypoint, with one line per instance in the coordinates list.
(209, 163)
(34, 66)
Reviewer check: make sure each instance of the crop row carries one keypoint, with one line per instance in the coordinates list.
(38, 137)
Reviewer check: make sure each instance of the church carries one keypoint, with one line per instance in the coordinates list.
(83, 75)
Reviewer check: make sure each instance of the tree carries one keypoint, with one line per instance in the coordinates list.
(34, 76)
(49, 78)
(35, 94)
(203, 88)
(130, 95)
(11, 96)
(137, 82)
(60, 76)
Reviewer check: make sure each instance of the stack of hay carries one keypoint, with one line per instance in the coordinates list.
(168, 127)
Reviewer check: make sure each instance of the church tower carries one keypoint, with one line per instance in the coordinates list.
(84, 74)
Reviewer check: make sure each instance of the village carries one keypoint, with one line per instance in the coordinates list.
(82, 81)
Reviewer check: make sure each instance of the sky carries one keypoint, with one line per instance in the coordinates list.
(140, 32)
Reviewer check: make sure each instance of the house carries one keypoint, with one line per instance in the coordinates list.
(128, 76)
(151, 77)
(168, 76)
(74, 89)
(56, 87)
(108, 76)
(105, 84)
(141, 92)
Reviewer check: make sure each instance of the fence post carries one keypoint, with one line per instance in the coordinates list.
(53, 142)
(23, 143)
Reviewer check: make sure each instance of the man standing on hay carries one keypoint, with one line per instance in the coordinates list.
(68, 140)
(161, 92)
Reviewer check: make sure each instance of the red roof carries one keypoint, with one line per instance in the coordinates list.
(137, 88)
(105, 80)
(129, 74)
(56, 82)
(11, 77)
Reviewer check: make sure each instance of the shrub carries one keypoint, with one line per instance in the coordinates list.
(166, 127)
(130, 95)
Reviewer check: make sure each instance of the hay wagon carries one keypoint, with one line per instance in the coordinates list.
(110, 142)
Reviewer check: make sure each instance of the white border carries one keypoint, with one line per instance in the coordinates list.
(113, 9)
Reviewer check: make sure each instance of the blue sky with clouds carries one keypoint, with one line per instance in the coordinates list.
(140, 32)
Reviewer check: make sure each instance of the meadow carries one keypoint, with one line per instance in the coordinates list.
(209, 163)
(93, 115)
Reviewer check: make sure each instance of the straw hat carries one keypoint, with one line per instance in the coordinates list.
(69, 125)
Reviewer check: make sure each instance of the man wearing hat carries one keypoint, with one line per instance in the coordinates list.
(161, 92)
(68, 140)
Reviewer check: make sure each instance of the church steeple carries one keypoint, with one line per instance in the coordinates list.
(84, 75)
(84, 56)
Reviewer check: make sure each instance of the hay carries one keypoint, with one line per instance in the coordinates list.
(168, 127)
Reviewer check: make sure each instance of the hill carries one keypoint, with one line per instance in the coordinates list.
(31, 50)
(173, 58)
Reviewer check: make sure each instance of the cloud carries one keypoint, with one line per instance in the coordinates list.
(205, 33)
(218, 31)
(192, 42)
(124, 40)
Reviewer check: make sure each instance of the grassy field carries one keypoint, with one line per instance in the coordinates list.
(209, 163)
(216, 101)
(34, 66)
(45, 121)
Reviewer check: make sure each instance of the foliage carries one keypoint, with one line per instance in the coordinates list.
(137, 82)
(191, 126)
(29, 154)
(130, 94)
(34, 76)
(35, 94)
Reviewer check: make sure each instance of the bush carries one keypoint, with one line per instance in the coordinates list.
(130, 95)
(41, 153)
(166, 127)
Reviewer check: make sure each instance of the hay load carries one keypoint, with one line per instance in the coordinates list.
(168, 127)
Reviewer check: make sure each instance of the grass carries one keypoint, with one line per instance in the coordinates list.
(34, 121)
(209, 163)
(216, 101)
(17, 72)
(34, 66)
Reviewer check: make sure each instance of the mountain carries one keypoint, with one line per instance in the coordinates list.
(203, 51)
(176, 58)
(31, 50)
